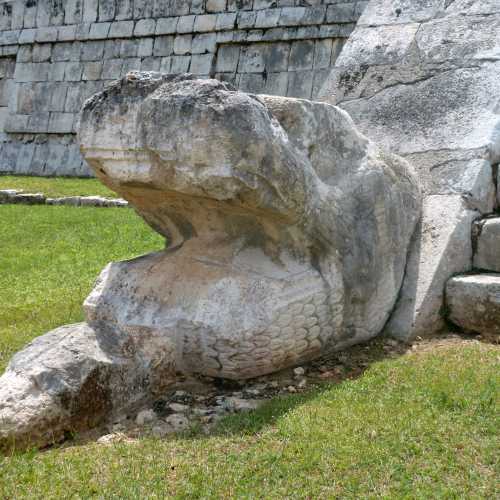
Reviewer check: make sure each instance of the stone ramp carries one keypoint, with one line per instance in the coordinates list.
(421, 78)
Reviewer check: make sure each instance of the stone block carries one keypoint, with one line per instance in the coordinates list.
(7, 93)
(56, 159)
(73, 71)
(131, 64)
(145, 47)
(254, 36)
(42, 15)
(106, 10)
(24, 160)
(65, 52)
(57, 14)
(48, 34)
(37, 166)
(473, 303)
(180, 64)
(276, 83)
(457, 39)
(143, 9)
(253, 83)
(99, 31)
(487, 243)
(205, 23)
(24, 54)
(153, 64)
(145, 27)
(66, 33)
(319, 79)
(31, 72)
(301, 55)
(27, 36)
(25, 98)
(163, 46)
(323, 53)
(30, 15)
(17, 15)
(111, 49)
(3, 117)
(38, 123)
(201, 64)
(166, 26)
(276, 56)
(73, 12)
(121, 29)
(129, 48)
(165, 64)
(300, 84)
(16, 123)
(10, 37)
(292, 16)
(197, 6)
(177, 8)
(246, 20)
(41, 52)
(112, 70)
(90, 10)
(182, 44)
(73, 98)
(92, 70)
(226, 21)
(215, 5)
(235, 5)
(61, 123)
(227, 58)
(204, 43)
(252, 59)
(92, 51)
(56, 71)
(58, 97)
(441, 248)
(268, 18)
(224, 36)
(342, 13)
(185, 24)
(382, 12)
(124, 9)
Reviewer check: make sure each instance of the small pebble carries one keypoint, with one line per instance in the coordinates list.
(179, 408)
(302, 384)
(145, 417)
(178, 422)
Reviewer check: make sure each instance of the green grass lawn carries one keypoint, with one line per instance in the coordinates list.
(49, 259)
(424, 425)
(56, 187)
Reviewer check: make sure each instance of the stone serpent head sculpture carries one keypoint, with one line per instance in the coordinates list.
(287, 233)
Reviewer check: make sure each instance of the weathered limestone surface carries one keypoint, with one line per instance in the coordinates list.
(287, 233)
(420, 77)
(473, 303)
(63, 381)
(487, 255)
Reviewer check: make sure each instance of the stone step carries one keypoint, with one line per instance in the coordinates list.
(473, 303)
(487, 238)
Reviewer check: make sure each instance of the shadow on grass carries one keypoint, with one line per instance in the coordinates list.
(354, 362)
(339, 368)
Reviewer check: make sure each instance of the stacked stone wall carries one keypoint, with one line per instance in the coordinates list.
(54, 54)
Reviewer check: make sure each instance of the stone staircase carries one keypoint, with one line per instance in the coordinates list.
(473, 299)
